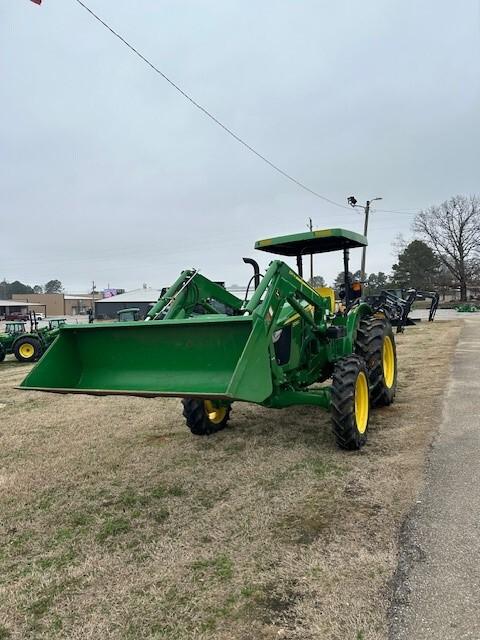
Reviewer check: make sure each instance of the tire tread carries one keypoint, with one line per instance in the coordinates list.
(370, 335)
(37, 345)
(197, 420)
(344, 377)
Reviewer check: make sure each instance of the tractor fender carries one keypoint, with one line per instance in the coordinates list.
(353, 320)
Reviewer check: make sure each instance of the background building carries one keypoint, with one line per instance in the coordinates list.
(78, 304)
(18, 308)
(140, 298)
(59, 304)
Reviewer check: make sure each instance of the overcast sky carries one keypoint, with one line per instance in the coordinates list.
(107, 173)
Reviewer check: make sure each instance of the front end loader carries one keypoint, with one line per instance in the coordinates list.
(201, 343)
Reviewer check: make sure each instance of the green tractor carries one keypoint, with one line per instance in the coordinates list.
(28, 346)
(201, 343)
(129, 315)
(13, 331)
(54, 324)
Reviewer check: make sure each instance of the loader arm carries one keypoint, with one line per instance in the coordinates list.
(282, 290)
(189, 291)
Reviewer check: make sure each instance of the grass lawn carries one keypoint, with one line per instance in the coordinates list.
(116, 523)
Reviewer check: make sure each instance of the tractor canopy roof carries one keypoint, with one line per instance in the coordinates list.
(320, 241)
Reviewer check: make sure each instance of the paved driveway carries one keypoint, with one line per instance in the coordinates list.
(438, 580)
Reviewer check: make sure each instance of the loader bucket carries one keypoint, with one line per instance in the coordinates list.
(210, 357)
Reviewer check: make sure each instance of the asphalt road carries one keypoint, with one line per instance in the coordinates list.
(437, 586)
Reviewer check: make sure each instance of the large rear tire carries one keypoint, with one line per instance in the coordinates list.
(350, 402)
(376, 345)
(205, 417)
(27, 349)
(3, 353)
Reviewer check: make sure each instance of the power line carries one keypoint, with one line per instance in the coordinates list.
(229, 131)
(208, 113)
(412, 212)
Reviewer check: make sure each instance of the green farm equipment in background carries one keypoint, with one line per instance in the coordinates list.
(55, 323)
(201, 343)
(129, 315)
(13, 331)
(467, 308)
(28, 346)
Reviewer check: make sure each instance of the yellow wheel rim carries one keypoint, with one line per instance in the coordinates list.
(388, 362)
(26, 350)
(361, 402)
(215, 414)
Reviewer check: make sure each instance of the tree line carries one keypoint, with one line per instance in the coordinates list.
(444, 256)
(7, 289)
(416, 268)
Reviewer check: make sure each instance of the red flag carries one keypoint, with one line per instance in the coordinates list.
(37, 1)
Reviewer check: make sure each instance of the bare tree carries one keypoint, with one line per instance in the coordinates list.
(399, 245)
(452, 230)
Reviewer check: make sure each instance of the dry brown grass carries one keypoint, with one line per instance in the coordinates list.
(116, 523)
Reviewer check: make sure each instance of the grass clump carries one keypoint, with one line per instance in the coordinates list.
(220, 567)
(4, 633)
(162, 491)
(41, 605)
(113, 527)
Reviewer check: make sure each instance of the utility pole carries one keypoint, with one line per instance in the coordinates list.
(352, 201)
(310, 226)
(364, 250)
(93, 299)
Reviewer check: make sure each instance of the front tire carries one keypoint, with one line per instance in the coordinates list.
(3, 353)
(204, 417)
(27, 349)
(376, 345)
(350, 403)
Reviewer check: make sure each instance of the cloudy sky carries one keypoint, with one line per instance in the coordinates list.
(107, 173)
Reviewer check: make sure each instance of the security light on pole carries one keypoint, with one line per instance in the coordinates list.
(352, 201)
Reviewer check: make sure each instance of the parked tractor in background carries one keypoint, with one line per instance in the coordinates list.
(28, 346)
(13, 331)
(129, 315)
(56, 323)
(467, 307)
(201, 343)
